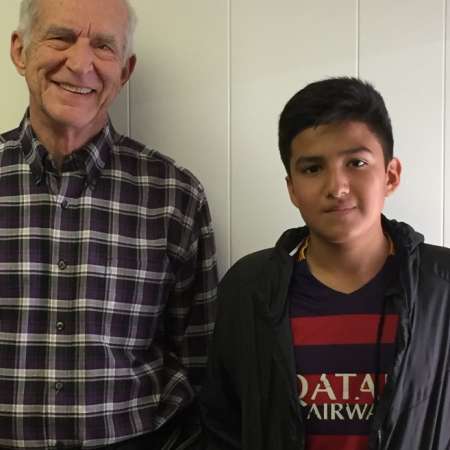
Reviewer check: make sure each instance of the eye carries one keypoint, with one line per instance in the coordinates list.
(357, 163)
(59, 42)
(311, 170)
(105, 50)
(60, 37)
(105, 47)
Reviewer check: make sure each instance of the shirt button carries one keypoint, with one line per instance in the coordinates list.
(58, 386)
(62, 264)
(64, 204)
(60, 326)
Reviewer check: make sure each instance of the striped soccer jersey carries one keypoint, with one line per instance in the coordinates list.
(344, 347)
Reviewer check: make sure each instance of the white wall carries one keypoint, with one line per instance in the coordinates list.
(274, 52)
(179, 94)
(213, 76)
(402, 51)
(13, 92)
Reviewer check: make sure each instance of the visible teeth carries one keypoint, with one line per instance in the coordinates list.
(77, 90)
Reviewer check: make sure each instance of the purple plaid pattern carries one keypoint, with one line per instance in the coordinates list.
(107, 291)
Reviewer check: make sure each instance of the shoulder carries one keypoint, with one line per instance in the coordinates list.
(153, 168)
(270, 267)
(435, 260)
(10, 138)
(251, 271)
(255, 286)
(249, 265)
(242, 283)
(10, 156)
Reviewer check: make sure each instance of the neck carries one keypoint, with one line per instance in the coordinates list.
(61, 141)
(348, 266)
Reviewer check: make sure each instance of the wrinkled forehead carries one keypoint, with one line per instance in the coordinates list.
(84, 16)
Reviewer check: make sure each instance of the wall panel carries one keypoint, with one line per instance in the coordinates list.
(120, 111)
(179, 94)
(447, 131)
(401, 52)
(13, 91)
(275, 51)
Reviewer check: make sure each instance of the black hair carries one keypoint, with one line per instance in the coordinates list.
(335, 100)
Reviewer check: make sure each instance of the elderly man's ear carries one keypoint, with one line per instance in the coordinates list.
(128, 69)
(17, 53)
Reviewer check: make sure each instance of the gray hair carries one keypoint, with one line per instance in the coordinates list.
(29, 10)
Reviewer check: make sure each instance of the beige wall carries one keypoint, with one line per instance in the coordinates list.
(213, 76)
(13, 92)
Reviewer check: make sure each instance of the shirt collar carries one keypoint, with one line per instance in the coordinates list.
(90, 159)
(303, 247)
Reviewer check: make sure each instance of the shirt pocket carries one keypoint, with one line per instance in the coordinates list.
(131, 308)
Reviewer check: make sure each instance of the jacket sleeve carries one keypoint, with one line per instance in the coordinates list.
(220, 399)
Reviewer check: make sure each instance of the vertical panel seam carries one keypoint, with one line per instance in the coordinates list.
(129, 108)
(358, 44)
(229, 149)
(444, 130)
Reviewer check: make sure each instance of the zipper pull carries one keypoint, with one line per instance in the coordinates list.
(379, 436)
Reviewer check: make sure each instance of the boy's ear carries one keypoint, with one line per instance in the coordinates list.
(393, 172)
(292, 195)
(17, 53)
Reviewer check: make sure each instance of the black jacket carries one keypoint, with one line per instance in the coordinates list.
(250, 397)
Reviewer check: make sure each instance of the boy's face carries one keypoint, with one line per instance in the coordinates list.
(339, 180)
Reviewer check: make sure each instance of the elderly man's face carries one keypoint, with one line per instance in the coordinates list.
(75, 64)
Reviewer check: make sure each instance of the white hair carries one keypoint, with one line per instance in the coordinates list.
(29, 11)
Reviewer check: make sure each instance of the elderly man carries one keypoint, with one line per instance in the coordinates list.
(107, 265)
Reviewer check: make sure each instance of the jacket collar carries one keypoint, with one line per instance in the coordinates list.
(405, 240)
(403, 235)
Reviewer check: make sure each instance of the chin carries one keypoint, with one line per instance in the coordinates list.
(337, 236)
(73, 118)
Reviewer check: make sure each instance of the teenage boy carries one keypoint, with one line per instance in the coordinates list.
(338, 338)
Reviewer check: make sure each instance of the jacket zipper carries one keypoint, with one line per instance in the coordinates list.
(400, 296)
(379, 436)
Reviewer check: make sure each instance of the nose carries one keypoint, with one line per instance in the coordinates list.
(337, 184)
(80, 57)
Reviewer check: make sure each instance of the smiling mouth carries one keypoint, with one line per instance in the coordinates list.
(75, 89)
(340, 210)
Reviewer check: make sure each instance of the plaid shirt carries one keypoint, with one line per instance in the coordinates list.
(107, 291)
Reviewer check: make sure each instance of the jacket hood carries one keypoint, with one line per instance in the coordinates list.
(402, 234)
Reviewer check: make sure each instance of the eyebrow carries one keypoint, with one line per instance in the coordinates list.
(320, 158)
(55, 30)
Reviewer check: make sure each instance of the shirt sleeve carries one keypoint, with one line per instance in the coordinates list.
(191, 309)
